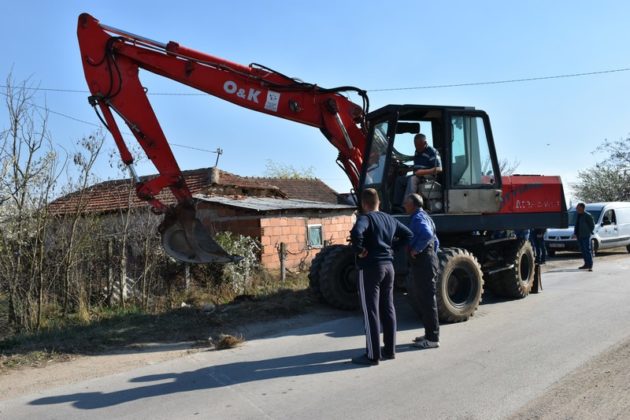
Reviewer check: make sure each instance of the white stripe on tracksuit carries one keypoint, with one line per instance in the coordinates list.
(368, 336)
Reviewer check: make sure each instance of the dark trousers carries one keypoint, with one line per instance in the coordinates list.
(376, 290)
(587, 252)
(424, 270)
(539, 248)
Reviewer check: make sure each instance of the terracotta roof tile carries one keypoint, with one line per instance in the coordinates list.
(120, 194)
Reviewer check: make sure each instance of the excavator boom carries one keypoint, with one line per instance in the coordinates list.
(112, 59)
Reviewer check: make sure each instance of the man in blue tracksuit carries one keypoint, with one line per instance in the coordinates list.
(424, 268)
(374, 236)
(584, 227)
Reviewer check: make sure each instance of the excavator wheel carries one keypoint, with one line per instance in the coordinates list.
(517, 282)
(459, 285)
(338, 278)
(316, 265)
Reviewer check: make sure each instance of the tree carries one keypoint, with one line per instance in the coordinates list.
(28, 175)
(608, 180)
(508, 167)
(288, 171)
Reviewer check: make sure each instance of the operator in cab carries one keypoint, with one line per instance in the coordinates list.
(426, 164)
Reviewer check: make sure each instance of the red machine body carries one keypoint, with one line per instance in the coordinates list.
(532, 194)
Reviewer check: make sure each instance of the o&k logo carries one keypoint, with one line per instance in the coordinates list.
(233, 89)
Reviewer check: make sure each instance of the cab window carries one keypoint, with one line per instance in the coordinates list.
(471, 160)
(404, 147)
(378, 155)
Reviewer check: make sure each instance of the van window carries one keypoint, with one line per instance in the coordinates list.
(609, 218)
(573, 216)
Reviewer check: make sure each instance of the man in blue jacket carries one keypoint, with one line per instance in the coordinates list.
(584, 227)
(374, 237)
(424, 268)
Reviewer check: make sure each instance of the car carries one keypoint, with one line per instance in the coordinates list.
(612, 229)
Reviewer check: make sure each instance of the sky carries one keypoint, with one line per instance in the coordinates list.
(550, 126)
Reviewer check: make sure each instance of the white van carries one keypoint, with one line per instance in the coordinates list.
(612, 228)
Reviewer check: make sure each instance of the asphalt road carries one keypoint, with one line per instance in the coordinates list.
(504, 358)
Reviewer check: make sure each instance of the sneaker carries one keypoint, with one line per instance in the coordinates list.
(427, 344)
(386, 356)
(364, 361)
(417, 339)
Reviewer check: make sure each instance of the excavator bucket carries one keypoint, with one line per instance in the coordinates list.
(186, 239)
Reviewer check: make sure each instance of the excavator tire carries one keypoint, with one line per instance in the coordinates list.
(517, 282)
(459, 285)
(338, 278)
(315, 270)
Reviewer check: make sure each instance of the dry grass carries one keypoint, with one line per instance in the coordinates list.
(108, 329)
(227, 341)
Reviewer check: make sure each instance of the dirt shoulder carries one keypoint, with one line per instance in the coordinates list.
(599, 389)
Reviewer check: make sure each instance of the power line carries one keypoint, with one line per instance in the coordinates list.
(61, 114)
(441, 86)
(498, 82)
(59, 90)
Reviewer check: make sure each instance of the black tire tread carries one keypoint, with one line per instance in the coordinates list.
(511, 284)
(330, 283)
(446, 312)
(315, 270)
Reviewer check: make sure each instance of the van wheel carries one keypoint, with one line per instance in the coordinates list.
(628, 248)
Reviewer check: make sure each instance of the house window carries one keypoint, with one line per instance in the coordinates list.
(315, 236)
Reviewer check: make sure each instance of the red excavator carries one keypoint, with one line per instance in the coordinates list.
(476, 210)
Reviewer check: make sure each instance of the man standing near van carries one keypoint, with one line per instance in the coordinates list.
(584, 227)
(374, 237)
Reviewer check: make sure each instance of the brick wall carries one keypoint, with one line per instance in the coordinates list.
(271, 230)
(293, 232)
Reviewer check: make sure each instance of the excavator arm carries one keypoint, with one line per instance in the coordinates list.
(112, 59)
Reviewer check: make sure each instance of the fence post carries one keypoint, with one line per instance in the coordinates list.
(187, 276)
(283, 257)
(110, 271)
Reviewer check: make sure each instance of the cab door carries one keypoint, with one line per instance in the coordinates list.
(472, 169)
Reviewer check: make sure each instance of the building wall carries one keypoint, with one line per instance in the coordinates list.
(271, 230)
(293, 232)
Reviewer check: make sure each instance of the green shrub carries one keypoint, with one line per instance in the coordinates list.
(239, 275)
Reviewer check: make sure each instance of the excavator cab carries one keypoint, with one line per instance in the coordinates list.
(470, 181)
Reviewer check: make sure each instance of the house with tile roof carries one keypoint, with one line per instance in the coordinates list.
(302, 214)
